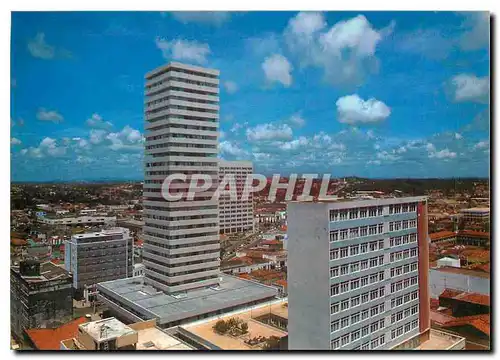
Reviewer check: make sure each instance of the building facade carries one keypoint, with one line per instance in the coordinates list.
(181, 238)
(236, 215)
(41, 296)
(98, 256)
(363, 262)
(77, 220)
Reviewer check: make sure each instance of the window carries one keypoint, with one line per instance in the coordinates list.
(373, 278)
(372, 230)
(343, 215)
(372, 211)
(353, 233)
(334, 254)
(381, 244)
(381, 308)
(344, 234)
(363, 212)
(355, 267)
(363, 231)
(344, 269)
(344, 287)
(404, 208)
(364, 264)
(335, 344)
(374, 311)
(364, 281)
(381, 291)
(373, 327)
(334, 271)
(373, 294)
(391, 226)
(373, 246)
(344, 252)
(364, 300)
(397, 225)
(334, 215)
(334, 308)
(334, 235)
(373, 262)
(344, 322)
(382, 339)
(364, 248)
(354, 249)
(374, 343)
(354, 284)
(381, 276)
(334, 290)
(353, 214)
(381, 260)
(355, 335)
(355, 318)
(344, 305)
(380, 210)
(405, 224)
(413, 252)
(365, 330)
(406, 239)
(355, 301)
(365, 346)
(380, 228)
(397, 209)
(413, 223)
(344, 340)
(413, 207)
(334, 326)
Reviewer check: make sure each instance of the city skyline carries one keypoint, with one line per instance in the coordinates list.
(374, 95)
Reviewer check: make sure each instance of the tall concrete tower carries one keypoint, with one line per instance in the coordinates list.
(181, 238)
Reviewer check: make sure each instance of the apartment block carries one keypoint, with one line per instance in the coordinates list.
(41, 296)
(98, 256)
(236, 215)
(358, 274)
(181, 238)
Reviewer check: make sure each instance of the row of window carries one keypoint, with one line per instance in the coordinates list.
(360, 299)
(373, 344)
(403, 284)
(402, 240)
(402, 208)
(358, 334)
(404, 254)
(353, 250)
(403, 314)
(357, 317)
(401, 225)
(356, 232)
(403, 269)
(341, 215)
(406, 328)
(357, 283)
(403, 299)
(354, 267)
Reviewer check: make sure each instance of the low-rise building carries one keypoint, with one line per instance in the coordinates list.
(41, 296)
(111, 334)
(50, 339)
(75, 220)
(458, 278)
(139, 269)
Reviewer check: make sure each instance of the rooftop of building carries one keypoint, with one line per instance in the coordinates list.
(442, 235)
(102, 233)
(106, 329)
(473, 298)
(131, 222)
(463, 271)
(232, 291)
(152, 338)
(48, 271)
(256, 328)
(483, 210)
(389, 199)
(177, 65)
(440, 340)
(50, 339)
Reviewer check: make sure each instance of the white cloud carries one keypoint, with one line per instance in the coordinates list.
(467, 87)
(297, 120)
(230, 86)
(269, 132)
(96, 121)
(84, 144)
(24, 151)
(277, 68)
(39, 48)
(183, 50)
(482, 145)
(84, 159)
(97, 136)
(15, 141)
(127, 139)
(458, 136)
(231, 148)
(49, 115)
(374, 162)
(443, 154)
(203, 17)
(430, 147)
(352, 109)
(478, 34)
(294, 144)
(48, 146)
(345, 52)
(384, 155)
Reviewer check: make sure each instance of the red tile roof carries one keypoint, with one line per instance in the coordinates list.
(50, 339)
(480, 322)
(473, 233)
(281, 282)
(271, 242)
(473, 298)
(441, 235)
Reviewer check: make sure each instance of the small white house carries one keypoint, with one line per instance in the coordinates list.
(448, 261)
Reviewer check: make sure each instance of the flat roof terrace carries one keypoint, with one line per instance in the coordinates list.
(151, 303)
(440, 340)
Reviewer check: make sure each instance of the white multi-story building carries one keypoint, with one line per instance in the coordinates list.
(236, 215)
(98, 256)
(358, 274)
(181, 238)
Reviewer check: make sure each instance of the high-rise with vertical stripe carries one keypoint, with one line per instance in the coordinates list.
(181, 238)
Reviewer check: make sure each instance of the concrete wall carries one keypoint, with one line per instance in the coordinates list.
(440, 280)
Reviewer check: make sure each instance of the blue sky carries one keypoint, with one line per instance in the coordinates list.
(375, 94)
